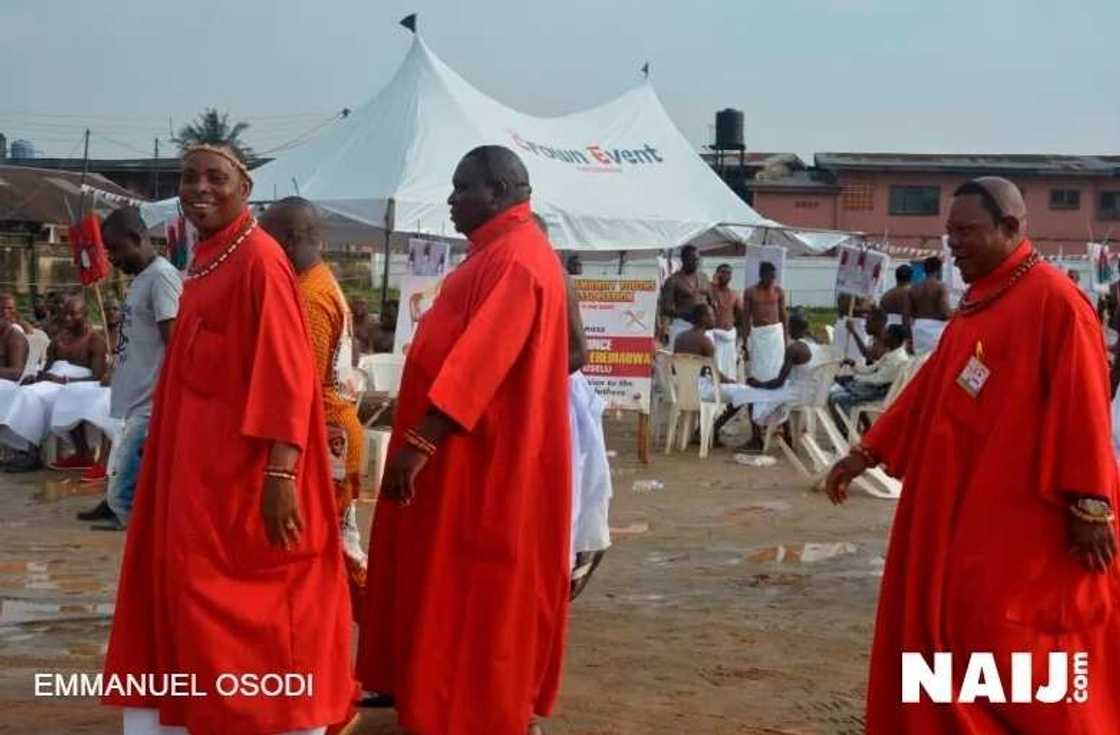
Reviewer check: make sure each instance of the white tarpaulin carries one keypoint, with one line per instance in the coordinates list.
(615, 177)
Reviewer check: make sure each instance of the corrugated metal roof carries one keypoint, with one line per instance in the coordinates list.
(48, 196)
(974, 164)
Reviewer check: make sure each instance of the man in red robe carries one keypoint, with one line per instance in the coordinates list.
(467, 591)
(1004, 538)
(232, 564)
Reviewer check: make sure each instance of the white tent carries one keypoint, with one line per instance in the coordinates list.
(615, 177)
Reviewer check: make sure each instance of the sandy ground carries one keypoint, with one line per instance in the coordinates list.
(709, 615)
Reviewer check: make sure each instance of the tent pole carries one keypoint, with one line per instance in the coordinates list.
(390, 216)
(621, 261)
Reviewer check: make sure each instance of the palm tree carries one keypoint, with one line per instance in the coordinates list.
(214, 128)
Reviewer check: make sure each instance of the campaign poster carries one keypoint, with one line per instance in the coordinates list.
(619, 316)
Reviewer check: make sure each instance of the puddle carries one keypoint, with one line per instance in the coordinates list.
(62, 638)
(61, 489)
(802, 553)
(758, 509)
(631, 530)
(703, 557)
(17, 612)
(71, 578)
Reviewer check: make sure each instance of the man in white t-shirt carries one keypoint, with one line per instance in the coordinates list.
(147, 323)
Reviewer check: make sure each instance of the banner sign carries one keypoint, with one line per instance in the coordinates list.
(619, 316)
(861, 272)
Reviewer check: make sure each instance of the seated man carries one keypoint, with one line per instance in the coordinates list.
(13, 355)
(794, 382)
(875, 347)
(695, 341)
(873, 382)
(387, 327)
(62, 397)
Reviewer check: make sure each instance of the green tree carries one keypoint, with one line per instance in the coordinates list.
(214, 128)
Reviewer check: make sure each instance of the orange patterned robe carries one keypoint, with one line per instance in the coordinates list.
(331, 330)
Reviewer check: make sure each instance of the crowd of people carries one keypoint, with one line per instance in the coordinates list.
(243, 552)
(710, 319)
(237, 457)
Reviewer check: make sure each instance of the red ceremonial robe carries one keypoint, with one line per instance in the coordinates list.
(202, 591)
(467, 591)
(978, 558)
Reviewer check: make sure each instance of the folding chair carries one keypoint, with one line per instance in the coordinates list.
(690, 405)
(383, 373)
(663, 396)
(877, 408)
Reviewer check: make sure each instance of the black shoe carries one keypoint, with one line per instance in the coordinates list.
(113, 524)
(101, 513)
(377, 700)
(24, 462)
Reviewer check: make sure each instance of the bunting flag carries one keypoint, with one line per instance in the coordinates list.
(110, 196)
(181, 239)
(88, 250)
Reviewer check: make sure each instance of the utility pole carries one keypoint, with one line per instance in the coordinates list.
(155, 173)
(85, 172)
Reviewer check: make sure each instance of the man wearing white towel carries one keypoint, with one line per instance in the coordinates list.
(927, 308)
(682, 291)
(728, 305)
(894, 301)
(765, 324)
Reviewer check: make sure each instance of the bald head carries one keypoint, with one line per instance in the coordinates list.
(987, 222)
(489, 180)
(294, 223)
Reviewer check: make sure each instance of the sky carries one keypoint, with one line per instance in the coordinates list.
(976, 76)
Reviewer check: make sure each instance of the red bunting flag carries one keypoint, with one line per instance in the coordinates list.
(89, 250)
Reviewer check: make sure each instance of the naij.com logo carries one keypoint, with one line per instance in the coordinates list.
(982, 680)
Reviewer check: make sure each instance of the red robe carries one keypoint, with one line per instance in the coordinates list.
(978, 557)
(467, 591)
(202, 590)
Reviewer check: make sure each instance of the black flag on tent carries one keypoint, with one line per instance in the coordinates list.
(409, 22)
(645, 69)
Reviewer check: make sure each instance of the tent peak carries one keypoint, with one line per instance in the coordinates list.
(409, 22)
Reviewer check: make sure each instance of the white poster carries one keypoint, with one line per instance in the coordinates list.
(951, 274)
(619, 316)
(756, 256)
(861, 272)
(428, 257)
(418, 293)
(1103, 270)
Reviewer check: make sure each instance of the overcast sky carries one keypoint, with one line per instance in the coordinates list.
(1012, 76)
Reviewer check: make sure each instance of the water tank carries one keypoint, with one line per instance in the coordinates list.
(22, 149)
(729, 130)
(3, 147)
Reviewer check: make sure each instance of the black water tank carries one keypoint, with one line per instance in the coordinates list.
(3, 147)
(729, 130)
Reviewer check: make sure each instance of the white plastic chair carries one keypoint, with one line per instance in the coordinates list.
(830, 334)
(690, 405)
(376, 455)
(383, 373)
(875, 409)
(37, 344)
(662, 397)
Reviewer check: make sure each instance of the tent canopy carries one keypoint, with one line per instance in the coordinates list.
(615, 177)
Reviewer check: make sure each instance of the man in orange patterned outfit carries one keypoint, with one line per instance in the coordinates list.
(294, 223)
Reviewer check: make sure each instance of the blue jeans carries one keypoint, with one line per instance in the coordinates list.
(124, 466)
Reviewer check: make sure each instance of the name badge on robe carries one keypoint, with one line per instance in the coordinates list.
(975, 374)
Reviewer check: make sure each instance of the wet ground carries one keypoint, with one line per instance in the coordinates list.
(734, 602)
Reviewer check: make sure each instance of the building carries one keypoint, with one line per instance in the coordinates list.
(904, 198)
(739, 168)
(146, 178)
